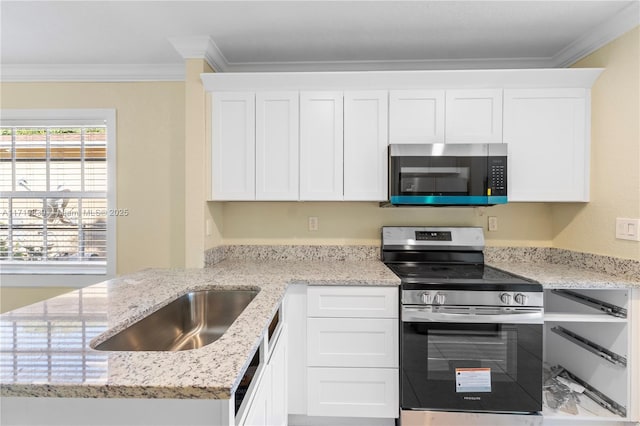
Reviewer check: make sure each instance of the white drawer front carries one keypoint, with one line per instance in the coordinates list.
(352, 342)
(353, 392)
(352, 302)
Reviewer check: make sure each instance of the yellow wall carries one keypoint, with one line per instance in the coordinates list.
(150, 160)
(353, 223)
(615, 155)
(150, 165)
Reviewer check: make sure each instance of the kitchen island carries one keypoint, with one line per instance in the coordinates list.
(47, 347)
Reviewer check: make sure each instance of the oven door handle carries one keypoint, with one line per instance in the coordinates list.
(426, 314)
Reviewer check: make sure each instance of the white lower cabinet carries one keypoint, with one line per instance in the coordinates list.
(278, 364)
(352, 352)
(353, 392)
(258, 411)
(267, 404)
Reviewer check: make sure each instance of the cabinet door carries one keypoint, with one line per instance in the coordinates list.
(365, 145)
(278, 413)
(548, 144)
(295, 304)
(474, 116)
(321, 150)
(277, 146)
(416, 116)
(258, 411)
(233, 146)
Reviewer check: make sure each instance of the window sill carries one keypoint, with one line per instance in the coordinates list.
(44, 274)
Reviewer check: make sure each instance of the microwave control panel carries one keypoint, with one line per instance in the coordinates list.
(497, 175)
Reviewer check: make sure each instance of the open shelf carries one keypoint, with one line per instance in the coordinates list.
(587, 332)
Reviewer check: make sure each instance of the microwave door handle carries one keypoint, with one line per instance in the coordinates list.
(424, 315)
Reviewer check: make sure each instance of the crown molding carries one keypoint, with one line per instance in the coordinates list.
(201, 47)
(625, 20)
(91, 72)
(398, 65)
(407, 79)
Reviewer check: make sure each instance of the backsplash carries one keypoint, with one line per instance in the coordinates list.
(606, 264)
(302, 252)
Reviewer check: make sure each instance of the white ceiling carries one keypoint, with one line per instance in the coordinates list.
(130, 37)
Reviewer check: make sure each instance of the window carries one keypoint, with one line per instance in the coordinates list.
(56, 192)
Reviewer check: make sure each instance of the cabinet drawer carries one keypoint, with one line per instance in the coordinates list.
(353, 392)
(352, 302)
(352, 342)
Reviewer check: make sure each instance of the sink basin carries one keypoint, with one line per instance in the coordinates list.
(190, 322)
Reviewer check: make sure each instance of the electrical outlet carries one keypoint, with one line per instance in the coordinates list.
(313, 223)
(627, 229)
(493, 223)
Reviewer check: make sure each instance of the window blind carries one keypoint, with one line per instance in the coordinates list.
(53, 196)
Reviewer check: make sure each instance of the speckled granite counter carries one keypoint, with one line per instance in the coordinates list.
(553, 275)
(557, 268)
(45, 347)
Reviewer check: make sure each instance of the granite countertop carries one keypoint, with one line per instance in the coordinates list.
(552, 275)
(45, 346)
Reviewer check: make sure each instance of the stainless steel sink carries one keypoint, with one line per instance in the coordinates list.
(189, 322)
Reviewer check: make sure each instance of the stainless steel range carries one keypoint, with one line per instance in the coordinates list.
(471, 335)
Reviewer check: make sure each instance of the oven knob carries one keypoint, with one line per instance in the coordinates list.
(506, 298)
(521, 299)
(427, 299)
(439, 299)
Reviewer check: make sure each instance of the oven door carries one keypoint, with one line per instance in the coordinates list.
(460, 360)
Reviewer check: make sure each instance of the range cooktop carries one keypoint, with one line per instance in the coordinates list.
(441, 258)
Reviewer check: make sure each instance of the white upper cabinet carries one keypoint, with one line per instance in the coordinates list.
(365, 145)
(416, 116)
(324, 136)
(473, 116)
(547, 132)
(277, 146)
(321, 146)
(233, 146)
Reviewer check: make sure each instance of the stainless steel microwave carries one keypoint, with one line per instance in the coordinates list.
(448, 174)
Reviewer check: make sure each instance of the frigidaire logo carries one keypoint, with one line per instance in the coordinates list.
(472, 398)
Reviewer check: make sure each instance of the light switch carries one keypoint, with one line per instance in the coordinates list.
(627, 229)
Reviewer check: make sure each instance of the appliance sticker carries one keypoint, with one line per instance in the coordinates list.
(473, 380)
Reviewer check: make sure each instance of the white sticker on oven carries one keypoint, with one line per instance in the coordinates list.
(473, 380)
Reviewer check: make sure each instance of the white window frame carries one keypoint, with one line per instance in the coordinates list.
(67, 274)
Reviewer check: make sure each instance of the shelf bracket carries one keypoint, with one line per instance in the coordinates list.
(597, 396)
(590, 346)
(605, 307)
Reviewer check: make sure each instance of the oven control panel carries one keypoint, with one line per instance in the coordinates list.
(472, 298)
